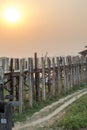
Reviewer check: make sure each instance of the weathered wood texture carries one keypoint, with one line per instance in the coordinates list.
(21, 86)
(30, 68)
(36, 79)
(43, 80)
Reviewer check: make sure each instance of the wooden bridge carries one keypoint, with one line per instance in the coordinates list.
(36, 79)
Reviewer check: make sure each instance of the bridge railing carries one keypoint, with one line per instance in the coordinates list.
(41, 78)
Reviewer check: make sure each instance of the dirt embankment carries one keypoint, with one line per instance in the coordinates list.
(46, 117)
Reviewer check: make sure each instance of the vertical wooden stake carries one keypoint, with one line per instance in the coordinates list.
(11, 79)
(59, 76)
(24, 87)
(21, 83)
(71, 72)
(86, 69)
(74, 72)
(37, 78)
(43, 80)
(82, 69)
(77, 69)
(65, 77)
(30, 69)
(54, 77)
(49, 76)
(67, 72)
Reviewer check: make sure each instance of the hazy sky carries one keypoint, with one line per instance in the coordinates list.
(56, 26)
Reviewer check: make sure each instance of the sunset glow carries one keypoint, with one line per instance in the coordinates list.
(58, 27)
(11, 15)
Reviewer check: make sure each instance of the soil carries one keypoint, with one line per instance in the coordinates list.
(46, 118)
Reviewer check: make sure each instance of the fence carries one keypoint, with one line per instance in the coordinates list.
(36, 79)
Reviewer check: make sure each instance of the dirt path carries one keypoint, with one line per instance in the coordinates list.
(48, 115)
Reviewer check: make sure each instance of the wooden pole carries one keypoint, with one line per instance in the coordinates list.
(68, 73)
(86, 69)
(43, 80)
(30, 69)
(16, 64)
(49, 76)
(82, 69)
(71, 73)
(36, 78)
(74, 72)
(17, 80)
(77, 70)
(65, 76)
(11, 79)
(69, 63)
(17, 88)
(21, 83)
(24, 87)
(54, 77)
(59, 76)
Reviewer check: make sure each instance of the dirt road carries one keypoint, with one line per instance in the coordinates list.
(45, 118)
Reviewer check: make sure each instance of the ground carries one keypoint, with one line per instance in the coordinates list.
(46, 117)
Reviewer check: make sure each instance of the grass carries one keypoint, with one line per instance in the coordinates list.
(76, 115)
(28, 112)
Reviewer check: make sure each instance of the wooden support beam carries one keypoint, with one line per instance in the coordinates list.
(37, 78)
(69, 69)
(54, 78)
(21, 83)
(77, 70)
(11, 79)
(30, 69)
(86, 69)
(43, 80)
(59, 76)
(65, 75)
(17, 88)
(24, 87)
(16, 64)
(49, 77)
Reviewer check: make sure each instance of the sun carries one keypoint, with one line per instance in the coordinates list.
(12, 14)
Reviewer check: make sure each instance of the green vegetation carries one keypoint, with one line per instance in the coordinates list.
(76, 115)
(28, 112)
